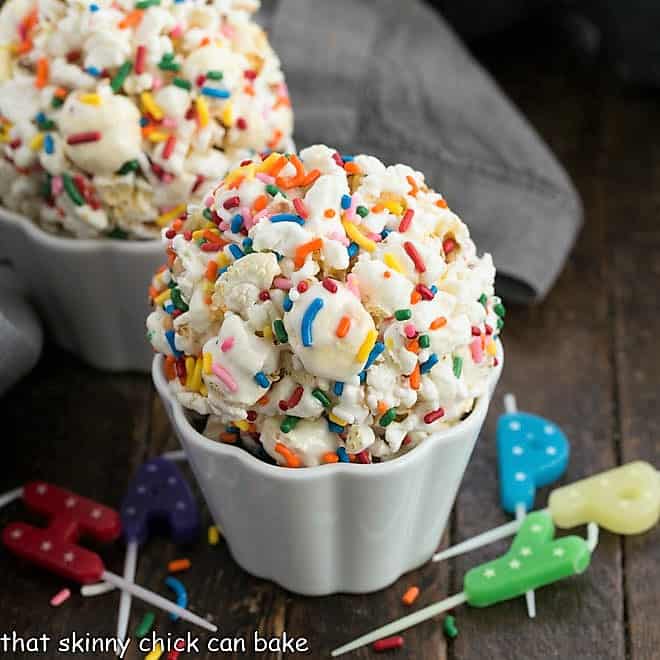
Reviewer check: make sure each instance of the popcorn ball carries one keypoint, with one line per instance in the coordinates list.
(114, 115)
(323, 308)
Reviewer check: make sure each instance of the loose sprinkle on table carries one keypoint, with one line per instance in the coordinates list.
(178, 565)
(410, 596)
(213, 535)
(388, 644)
(60, 597)
(145, 625)
(449, 627)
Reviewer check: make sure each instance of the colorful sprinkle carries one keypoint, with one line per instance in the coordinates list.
(429, 364)
(392, 262)
(433, 416)
(377, 349)
(236, 252)
(165, 218)
(41, 79)
(410, 596)
(289, 457)
(338, 388)
(402, 314)
(342, 455)
(261, 379)
(178, 565)
(476, 349)
(280, 331)
(308, 319)
(425, 292)
(145, 625)
(225, 377)
(90, 99)
(321, 397)
(49, 144)
(168, 149)
(388, 417)
(301, 208)
(365, 349)
(306, 248)
(406, 220)
(236, 223)
(203, 115)
(287, 217)
(343, 326)
(179, 591)
(72, 190)
(358, 237)
(415, 257)
(448, 246)
(155, 653)
(330, 284)
(289, 423)
(410, 330)
(293, 400)
(449, 627)
(213, 535)
(120, 76)
(424, 341)
(170, 336)
(388, 644)
(215, 93)
(415, 378)
(60, 597)
(438, 323)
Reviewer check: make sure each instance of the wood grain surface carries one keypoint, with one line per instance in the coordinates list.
(588, 358)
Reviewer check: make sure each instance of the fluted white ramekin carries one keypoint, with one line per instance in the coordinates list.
(91, 293)
(349, 528)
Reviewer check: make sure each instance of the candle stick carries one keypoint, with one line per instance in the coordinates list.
(623, 500)
(158, 494)
(534, 560)
(531, 452)
(55, 547)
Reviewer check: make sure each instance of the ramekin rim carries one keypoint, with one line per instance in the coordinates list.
(71, 244)
(321, 471)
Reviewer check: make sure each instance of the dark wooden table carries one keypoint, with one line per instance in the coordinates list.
(588, 357)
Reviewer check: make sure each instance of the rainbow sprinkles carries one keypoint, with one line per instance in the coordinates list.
(322, 308)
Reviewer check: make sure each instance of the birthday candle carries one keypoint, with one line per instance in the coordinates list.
(623, 500)
(531, 452)
(535, 559)
(55, 548)
(158, 492)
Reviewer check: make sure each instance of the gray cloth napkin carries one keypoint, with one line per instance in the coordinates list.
(21, 337)
(390, 78)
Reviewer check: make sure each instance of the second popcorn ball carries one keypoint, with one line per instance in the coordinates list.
(322, 308)
(115, 114)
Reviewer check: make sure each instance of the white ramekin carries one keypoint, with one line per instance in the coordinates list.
(334, 528)
(91, 293)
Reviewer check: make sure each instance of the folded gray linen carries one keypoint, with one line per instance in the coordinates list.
(21, 336)
(391, 79)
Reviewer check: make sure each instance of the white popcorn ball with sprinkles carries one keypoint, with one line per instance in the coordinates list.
(115, 115)
(322, 308)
